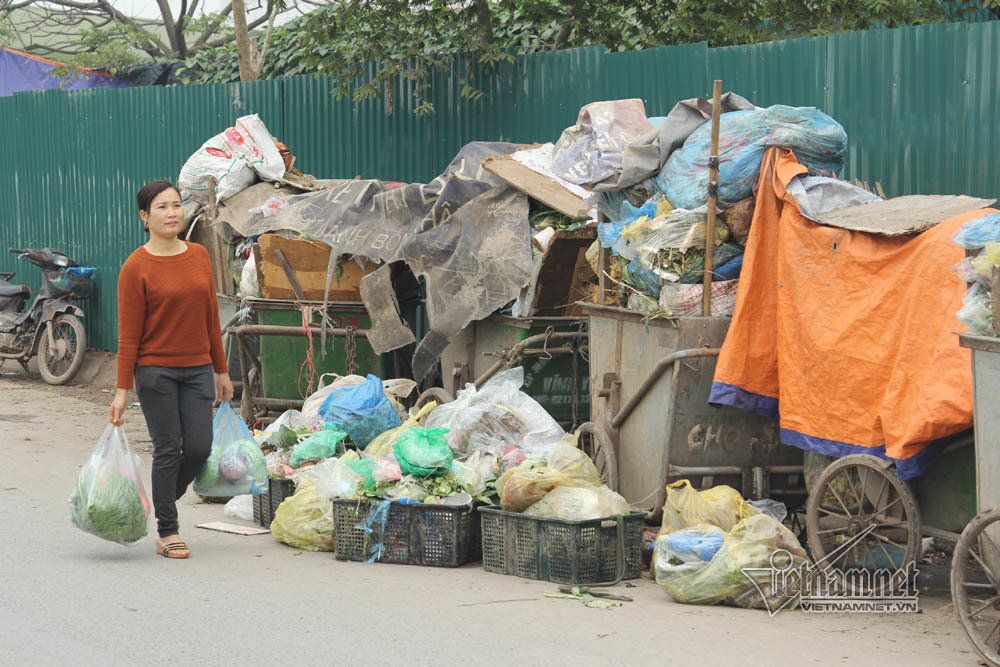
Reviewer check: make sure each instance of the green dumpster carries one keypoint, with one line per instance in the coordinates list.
(281, 357)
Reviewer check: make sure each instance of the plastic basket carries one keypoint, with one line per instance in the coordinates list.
(564, 552)
(265, 505)
(414, 534)
(74, 282)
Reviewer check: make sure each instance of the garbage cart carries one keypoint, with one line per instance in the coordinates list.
(652, 424)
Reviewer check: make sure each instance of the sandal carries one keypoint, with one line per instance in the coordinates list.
(170, 550)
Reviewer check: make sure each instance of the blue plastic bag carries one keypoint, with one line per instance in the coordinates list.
(362, 411)
(731, 269)
(819, 142)
(977, 233)
(610, 232)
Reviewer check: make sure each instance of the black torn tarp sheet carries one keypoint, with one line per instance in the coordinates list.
(465, 233)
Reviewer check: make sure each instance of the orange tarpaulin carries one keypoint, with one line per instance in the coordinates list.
(847, 337)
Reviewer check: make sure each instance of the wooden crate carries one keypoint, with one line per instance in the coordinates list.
(308, 261)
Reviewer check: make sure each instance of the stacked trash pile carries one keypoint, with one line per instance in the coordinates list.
(653, 180)
(981, 239)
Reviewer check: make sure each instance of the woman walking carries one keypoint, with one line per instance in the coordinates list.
(169, 344)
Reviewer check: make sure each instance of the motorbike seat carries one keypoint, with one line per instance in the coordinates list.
(10, 289)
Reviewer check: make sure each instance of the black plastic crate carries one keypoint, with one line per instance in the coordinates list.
(265, 505)
(414, 534)
(564, 552)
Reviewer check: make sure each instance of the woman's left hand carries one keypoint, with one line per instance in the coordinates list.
(224, 387)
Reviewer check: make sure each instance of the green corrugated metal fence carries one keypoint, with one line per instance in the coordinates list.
(919, 105)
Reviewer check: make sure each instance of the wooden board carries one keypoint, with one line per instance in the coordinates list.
(562, 277)
(308, 261)
(536, 186)
(910, 214)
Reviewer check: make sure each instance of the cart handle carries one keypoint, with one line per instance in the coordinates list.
(652, 378)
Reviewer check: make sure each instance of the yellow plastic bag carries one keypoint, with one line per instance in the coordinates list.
(303, 520)
(987, 259)
(520, 488)
(745, 553)
(721, 506)
(577, 465)
(570, 503)
(381, 446)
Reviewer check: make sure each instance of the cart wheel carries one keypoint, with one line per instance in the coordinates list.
(975, 584)
(856, 492)
(595, 443)
(433, 394)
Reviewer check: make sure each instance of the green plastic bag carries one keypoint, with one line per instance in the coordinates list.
(318, 446)
(423, 452)
(363, 467)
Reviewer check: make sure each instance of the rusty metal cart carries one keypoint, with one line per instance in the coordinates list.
(272, 343)
(858, 500)
(651, 422)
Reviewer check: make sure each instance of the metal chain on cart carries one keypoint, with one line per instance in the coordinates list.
(351, 350)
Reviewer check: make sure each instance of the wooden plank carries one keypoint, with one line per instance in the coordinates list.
(560, 271)
(308, 260)
(995, 299)
(909, 214)
(536, 186)
(583, 278)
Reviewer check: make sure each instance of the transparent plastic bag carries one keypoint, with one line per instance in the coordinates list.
(239, 507)
(109, 499)
(333, 478)
(721, 506)
(304, 520)
(684, 552)
(977, 310)
(746, 552)
(363, 411)
(469, 478)
(495, 417)
(572, 503)
(236, 464)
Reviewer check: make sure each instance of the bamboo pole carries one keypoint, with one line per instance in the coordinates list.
(713, 194)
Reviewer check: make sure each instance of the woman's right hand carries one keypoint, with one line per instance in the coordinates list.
(116, 415)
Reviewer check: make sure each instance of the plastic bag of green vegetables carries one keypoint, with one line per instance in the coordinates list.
(109, 500)
(236, 464)
(318, 446)
(424, 452)
(304, 520)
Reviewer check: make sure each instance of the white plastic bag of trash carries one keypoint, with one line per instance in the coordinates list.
(240, 507)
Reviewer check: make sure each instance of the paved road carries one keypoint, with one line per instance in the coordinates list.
(69, 598)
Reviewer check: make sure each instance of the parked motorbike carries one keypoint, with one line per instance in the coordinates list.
(50, 327)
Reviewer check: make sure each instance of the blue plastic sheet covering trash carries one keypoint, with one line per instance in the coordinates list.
(362, 411)
(610, 232)
(977, 233)
(818, 141)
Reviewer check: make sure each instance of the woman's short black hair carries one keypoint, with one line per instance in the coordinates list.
(150, 190)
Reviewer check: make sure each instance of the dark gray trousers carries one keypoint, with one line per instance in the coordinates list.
(177, 404)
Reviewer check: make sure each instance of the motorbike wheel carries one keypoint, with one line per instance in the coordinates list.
(58, 365)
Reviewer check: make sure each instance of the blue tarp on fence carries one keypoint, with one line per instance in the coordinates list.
(20, 71)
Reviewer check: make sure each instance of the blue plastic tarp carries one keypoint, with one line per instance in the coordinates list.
(20, 72)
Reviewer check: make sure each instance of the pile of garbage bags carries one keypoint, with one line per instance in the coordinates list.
(714, 547)
(982, 238)
(657, 225)
(492, 445)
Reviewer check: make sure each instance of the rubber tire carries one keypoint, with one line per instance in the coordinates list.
(433, 394)
(604, 455)
(81, 351)
(883, 468)
(959, 562)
